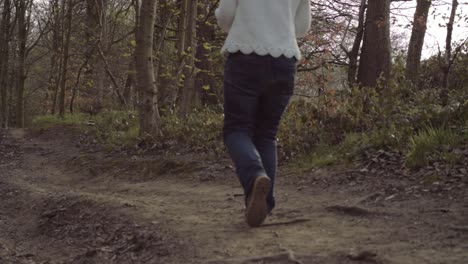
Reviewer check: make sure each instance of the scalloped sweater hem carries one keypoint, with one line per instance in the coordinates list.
(264, 26)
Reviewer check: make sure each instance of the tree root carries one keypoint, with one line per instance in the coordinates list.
(286, 257)
(459, 228)
(291, 222)
(349, 210)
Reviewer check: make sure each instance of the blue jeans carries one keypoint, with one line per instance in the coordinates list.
(257, 90)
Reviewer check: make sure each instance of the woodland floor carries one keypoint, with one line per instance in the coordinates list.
(63, 202)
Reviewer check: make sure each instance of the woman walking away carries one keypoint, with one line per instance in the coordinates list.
(262, 53)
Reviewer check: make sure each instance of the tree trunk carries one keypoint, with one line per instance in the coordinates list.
(129, 84)
(4, 59)
(190, 96)
(375, 62)
(182, 27)
(448, 60)
(354, 53)
(181, 48)
(162, 60)
(96, 35)
(54, 72)
(148, 110)
(58, 81)
(448, 43)
(205, 82)
(21, 7)
(100, 72)
(11, 81)
(416, 43)
(66, 47)
(130, 88)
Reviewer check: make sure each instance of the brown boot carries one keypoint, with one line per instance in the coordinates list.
(257, 207)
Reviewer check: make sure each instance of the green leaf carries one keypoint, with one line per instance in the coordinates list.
(207, 46)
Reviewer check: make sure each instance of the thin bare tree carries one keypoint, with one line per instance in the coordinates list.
(413, 60)
(147, 90)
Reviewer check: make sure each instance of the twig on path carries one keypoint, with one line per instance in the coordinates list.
(291, 222)
(459, 228)
(291, 255)
(365, 255)
(47, 153)
(349, 210)
(281, 258)
(372, 196)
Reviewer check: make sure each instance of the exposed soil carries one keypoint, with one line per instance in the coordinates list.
(63, 202)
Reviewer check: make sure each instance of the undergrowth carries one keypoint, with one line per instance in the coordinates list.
(334, 129)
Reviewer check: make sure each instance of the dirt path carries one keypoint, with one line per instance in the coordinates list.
(64, 204)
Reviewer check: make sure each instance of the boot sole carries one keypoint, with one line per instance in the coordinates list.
(257, 209)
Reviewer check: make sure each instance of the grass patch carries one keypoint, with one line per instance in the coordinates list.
(53, 120)
(432, 143)
(200, 129)
(353, 145)
(324, 159)
(116, 128)
(111, 128)
(322, 156)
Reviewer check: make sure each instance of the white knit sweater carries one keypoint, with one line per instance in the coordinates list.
(264, 26)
